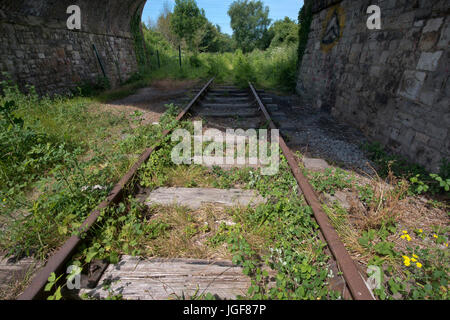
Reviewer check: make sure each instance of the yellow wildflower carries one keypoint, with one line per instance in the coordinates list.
(446, 244)
(415, 256)
(420, 230)
(406, 261)
(4, 200)
(419, 265)
(404, 231)
(435, 235)
(406, 236)
(413, 260)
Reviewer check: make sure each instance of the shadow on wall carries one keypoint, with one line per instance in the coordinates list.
(38, 48)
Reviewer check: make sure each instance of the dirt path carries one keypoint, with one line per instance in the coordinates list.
(151, 100)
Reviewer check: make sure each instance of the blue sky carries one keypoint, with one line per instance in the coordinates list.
(216, 10)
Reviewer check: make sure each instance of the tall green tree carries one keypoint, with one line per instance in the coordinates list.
(210, 39)
(163, 23)
(285, 32)
(213, 40)
(250, 22)
(188, 22)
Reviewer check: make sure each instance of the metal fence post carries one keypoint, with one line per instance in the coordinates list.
(179, 54)
(159, 63)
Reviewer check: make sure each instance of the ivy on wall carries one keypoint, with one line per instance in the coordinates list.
(135, 27)
(304, 20)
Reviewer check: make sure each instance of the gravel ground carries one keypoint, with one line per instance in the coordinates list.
(318, 134)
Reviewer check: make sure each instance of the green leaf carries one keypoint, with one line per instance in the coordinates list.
(52, 277)
(209, 296)
(371, 234)
(62, 230)
(48, 286)
(90, 255)
(363, 241)
(58, 295)
(113, 258)
(384, 248)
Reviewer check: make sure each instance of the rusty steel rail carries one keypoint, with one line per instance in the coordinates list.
(56, 262)
(353, 278)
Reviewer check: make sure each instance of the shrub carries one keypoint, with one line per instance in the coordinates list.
(243, 70)
(25, 152)
(194, 61)
(90, 88)
(217, 66)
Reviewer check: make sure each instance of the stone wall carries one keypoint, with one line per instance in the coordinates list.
(38, 49)
(391, 83)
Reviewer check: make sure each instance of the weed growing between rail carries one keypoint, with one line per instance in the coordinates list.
(57, 168)
(276, 243)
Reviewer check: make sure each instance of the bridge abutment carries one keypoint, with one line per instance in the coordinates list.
(38, 48)
(391, 83)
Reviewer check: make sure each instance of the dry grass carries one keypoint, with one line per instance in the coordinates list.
(383, 207)
(189, 176)
(259, 237)
(347, 233)
(189, 232)
(17, 284)
(391, 203)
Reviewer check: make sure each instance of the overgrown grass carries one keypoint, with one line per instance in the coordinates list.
(275, 68)
(62, 157)
(421, 181)
(385, 226)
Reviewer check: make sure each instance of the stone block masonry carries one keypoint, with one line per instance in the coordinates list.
(392, 83)
(38, 49)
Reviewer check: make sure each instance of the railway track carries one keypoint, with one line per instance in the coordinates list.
(222, 107)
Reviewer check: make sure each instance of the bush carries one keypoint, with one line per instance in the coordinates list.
(194, 61)
(89, 88)
(217, 66)
(243, 70)
(135, 77)
(420, 180)
(25, 152)
(285, 68)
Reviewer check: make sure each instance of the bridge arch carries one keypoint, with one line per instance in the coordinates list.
(38, 49)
